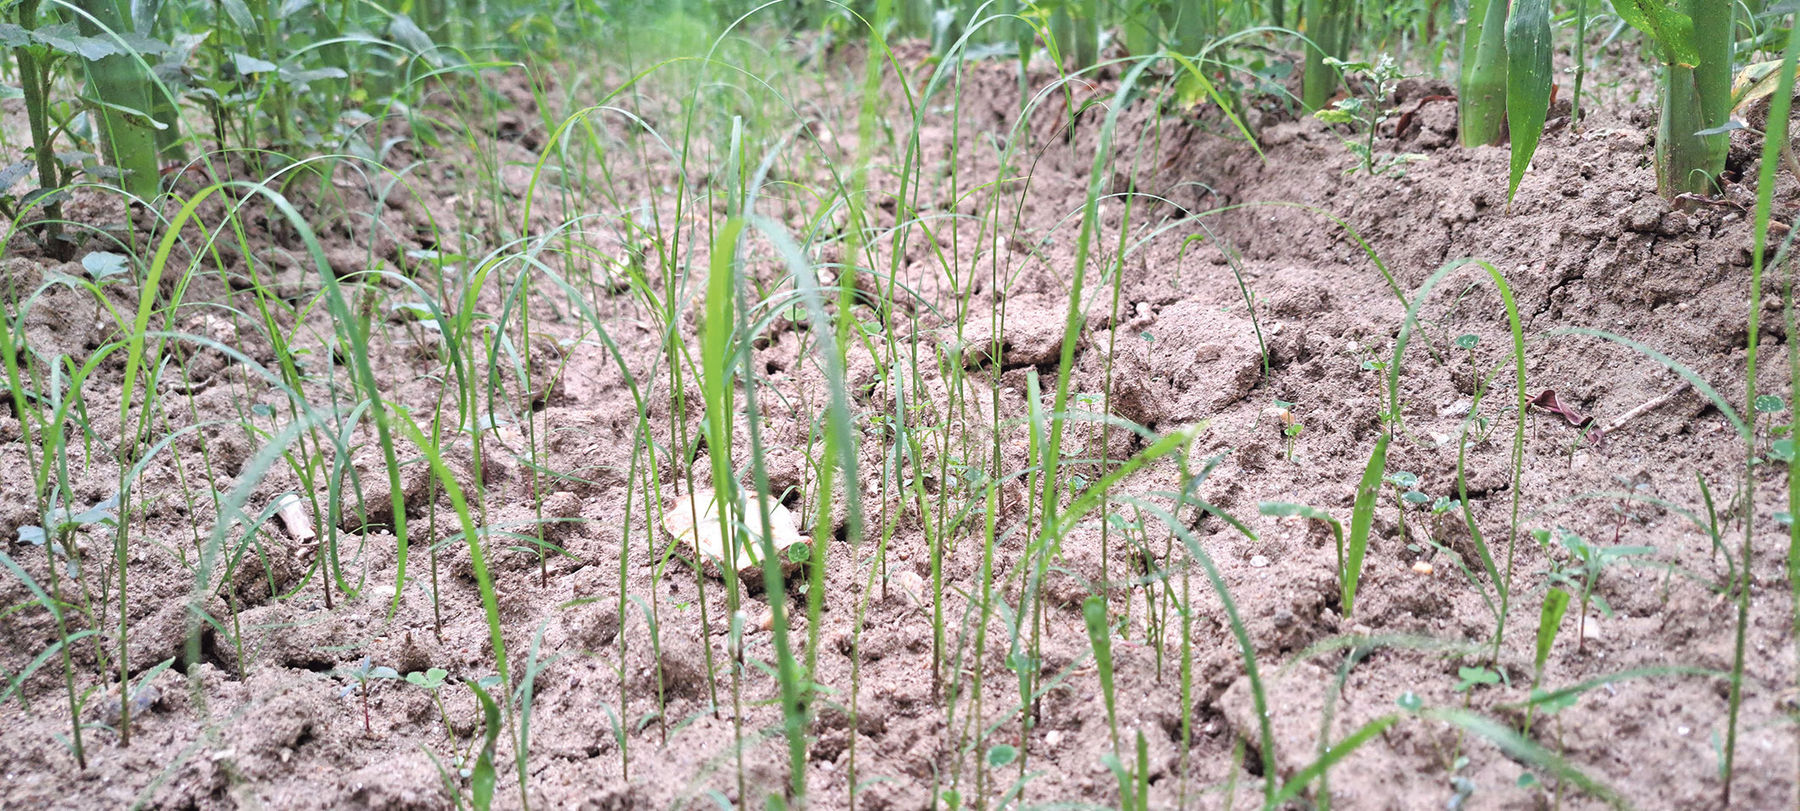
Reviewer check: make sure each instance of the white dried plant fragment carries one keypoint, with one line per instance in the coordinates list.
(694, 520)
(292, 513)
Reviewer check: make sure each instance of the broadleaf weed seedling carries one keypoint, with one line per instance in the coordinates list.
(431, 680)
(364, 675)
(1366, 115)
(1584, 574)
(1770, 405)
(1406, 493)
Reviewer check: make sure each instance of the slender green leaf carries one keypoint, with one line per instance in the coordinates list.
(1362, 520)
(482, 777)
(1556, 603)
(1342, 749)
(1526, 750)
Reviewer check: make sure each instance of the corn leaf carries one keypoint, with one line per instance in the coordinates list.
(1754, 83)
(1528, 83)
(1671, 31)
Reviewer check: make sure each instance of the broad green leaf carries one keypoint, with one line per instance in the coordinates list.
(410, 36)
(240, 14)
(1528, 83)
(65, 38)
(302, 77)
(247, 64)
(1754, 83)
(11, 175)
(14, 36)
(101, 264)
(1671, 31)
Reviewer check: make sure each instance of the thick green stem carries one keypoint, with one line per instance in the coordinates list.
(1062, 33)
(1192, 23)
(1140, 29)
(1581, 15)
(1327, 22)
(33, 80)
(1087, 34)
(1481, 89)
(1696, 99)
(128, 139)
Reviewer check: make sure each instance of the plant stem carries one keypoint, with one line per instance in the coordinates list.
(1481, 88)
(1696, 99)
(1327, 21)
(34, 81)
(127, 141)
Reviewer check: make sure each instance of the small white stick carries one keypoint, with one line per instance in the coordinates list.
(1649, 405)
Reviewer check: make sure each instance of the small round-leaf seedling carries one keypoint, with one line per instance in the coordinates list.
(430, 681)
(365, 674)
(1474, 676)
(1001, 755)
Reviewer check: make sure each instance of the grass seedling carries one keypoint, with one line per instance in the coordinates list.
(1290, 426)
(1550, 617)
(1349, 560)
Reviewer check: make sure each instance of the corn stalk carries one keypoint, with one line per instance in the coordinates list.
(34, 81)
(1696, 100)
(1481, 87)
(119, 90)
(1328, 26)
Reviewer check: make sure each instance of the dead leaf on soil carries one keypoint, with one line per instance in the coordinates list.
(1548, 401)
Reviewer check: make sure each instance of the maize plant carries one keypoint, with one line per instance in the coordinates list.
(1481, 85)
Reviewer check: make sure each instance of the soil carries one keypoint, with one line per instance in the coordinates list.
(262, 715)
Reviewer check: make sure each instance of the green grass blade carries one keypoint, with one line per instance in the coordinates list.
(1692, 377)
(1334, 753)
(1524, 749)
(1362, 520)
(1550, 617)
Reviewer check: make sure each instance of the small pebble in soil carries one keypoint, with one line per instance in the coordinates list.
(1053, 738)
(1259, 561)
